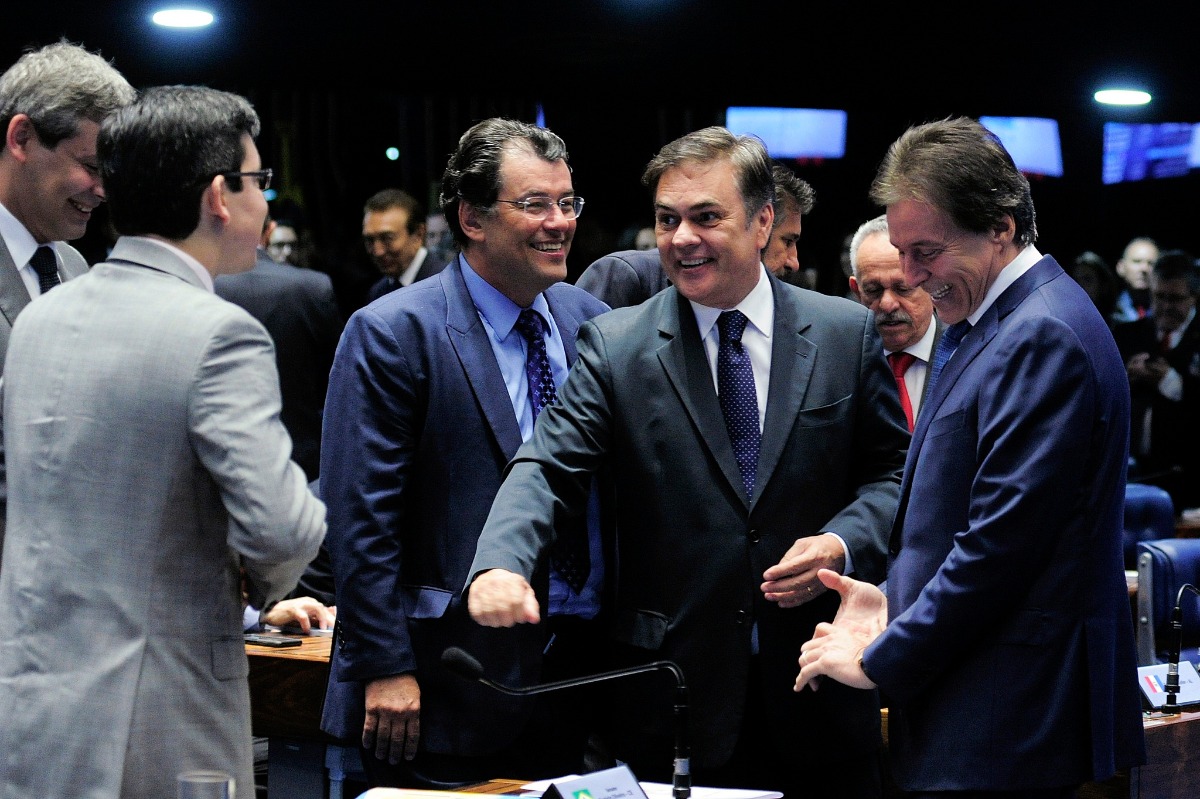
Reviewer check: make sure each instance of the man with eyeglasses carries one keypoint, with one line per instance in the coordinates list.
(393, 232)
(433, 389)
(1162, 358)
(149, 479)
(751, 434)
(52, 101)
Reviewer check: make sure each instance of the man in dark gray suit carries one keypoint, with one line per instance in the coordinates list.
(298, 309)
(903, 313)
(754, 436)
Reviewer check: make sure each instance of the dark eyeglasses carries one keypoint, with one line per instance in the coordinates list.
(263, 176)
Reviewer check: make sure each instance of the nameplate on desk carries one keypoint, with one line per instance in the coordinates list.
(1153, 682)
(611, 783)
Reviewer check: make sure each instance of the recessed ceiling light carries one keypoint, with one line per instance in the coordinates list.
(182, 18)
(1122, 97)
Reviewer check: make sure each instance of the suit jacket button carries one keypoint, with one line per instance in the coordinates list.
(743, 617)
(755, 536)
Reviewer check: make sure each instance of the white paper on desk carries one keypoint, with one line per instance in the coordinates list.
(661, 790)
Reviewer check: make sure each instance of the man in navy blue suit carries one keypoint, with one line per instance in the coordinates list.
(428, 401)
(1005, 640)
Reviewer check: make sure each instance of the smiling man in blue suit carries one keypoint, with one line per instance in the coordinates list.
(1005, 641)
(429, 398)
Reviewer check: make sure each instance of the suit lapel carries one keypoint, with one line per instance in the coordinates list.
(792, 359)
(469, 339)
(969, 348)
(938, 327)
(683, 359)
(13, 294)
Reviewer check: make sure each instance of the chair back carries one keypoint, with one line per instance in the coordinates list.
(1163, 566)
(1149, 516)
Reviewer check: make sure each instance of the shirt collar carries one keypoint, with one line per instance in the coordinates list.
(923, 349)
(1008, 275)
(758, 306)
(20, 242)
(500, 312)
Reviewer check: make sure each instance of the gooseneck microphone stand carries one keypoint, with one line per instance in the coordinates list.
(467, 666)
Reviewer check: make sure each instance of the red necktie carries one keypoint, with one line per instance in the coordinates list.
(1164, 342)
(900, 361)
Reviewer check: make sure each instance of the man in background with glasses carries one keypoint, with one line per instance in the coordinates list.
(433, 389)
(51, 104)
(146, 459)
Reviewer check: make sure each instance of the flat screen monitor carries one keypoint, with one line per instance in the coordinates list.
(799, 133)
(1149, 150)
(1033, 143)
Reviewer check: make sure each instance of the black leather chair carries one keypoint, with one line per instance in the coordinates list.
(1149, 516)
(1163, 566)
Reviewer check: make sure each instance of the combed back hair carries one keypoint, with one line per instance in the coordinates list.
(57, 87)
(159, 155)
(387, 199)
(473, 172)
(1178, 265)
(960, 167)
(748, 155)
(868, 228)
(791, 193)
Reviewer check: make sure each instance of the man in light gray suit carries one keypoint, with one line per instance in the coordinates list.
(150, 483)
(52, 101)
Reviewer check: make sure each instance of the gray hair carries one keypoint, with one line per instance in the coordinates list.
(869, 228)
(57, 87)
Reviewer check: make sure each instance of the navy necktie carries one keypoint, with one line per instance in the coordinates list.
(569, 554)
(947, 344)
(46, 266)
(739, 402)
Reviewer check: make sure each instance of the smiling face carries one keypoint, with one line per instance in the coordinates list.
(954, 266)
(520, 255)
(56, 188)
(902, 313)
(709, 249)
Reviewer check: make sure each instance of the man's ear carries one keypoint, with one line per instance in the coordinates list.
(19, 136)
(469, 219)
(854, 288)
(212, 202)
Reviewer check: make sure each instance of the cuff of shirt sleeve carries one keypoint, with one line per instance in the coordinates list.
(849, 569)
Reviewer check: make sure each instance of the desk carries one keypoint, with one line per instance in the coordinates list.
(287, 688)
(287, 691)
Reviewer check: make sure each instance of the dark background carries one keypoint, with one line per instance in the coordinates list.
(337, 83)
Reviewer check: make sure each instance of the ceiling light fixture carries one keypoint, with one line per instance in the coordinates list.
(1122, 97)
(182, 18)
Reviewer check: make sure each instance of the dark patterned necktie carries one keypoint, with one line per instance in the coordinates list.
(739, 402)
(569, 554)
(947, 344)
(46, 266)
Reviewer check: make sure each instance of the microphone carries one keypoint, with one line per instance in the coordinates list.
(466, 665)
(1172, 687)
